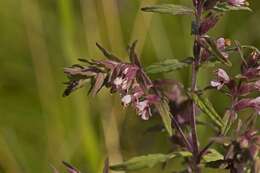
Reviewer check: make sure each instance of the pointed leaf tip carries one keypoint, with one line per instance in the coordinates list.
(108, 54)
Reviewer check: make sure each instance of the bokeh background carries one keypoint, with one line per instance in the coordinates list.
(39, 128)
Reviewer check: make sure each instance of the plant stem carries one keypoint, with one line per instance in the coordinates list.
(179, 129)
(193, 121)
(196, 53)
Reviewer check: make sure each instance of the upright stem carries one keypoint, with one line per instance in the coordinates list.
(196, 53)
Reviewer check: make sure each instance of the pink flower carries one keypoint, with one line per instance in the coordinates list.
(143, 109)
(126, 100)
(128, 79)
(221, 45)
(222, 79)
(237, 2)
(118, 81)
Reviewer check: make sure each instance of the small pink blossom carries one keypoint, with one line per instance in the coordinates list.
(222, 79)
(143, 109)
(126, 100)
(221, 45)
(237, 2)
(118, 81)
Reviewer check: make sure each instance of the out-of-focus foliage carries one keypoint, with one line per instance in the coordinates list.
(39, 128)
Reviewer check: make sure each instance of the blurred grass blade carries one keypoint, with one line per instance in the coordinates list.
(171, 9)
(165, 114)
(141, 25)
(165, 66)
(205, 106)
(113, 24)
(87, 133)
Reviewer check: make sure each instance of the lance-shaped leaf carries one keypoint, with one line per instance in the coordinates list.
(165, 66)
(228, 120)
(212, 47)
(171, 9)
(225, 7)
(239, 49)
(206, 107)
(147, 161)
(108, 54)
(165, 114)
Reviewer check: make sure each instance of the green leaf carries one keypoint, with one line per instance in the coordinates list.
(228, 121)
(165, 114)
(141, 162)
(212, 155)
(171, 9)
(205, 106)
(167, 65)
(210, 64)
(212, 47)
(225, 7)
(183, 153)
(147, 161)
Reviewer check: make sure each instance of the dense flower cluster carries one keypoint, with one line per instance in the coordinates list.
(127, 79)
(243, 149)
(242, 85)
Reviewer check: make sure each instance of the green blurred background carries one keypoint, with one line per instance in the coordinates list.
(38, 127)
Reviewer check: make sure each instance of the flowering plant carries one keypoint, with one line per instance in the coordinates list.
(237, 137)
